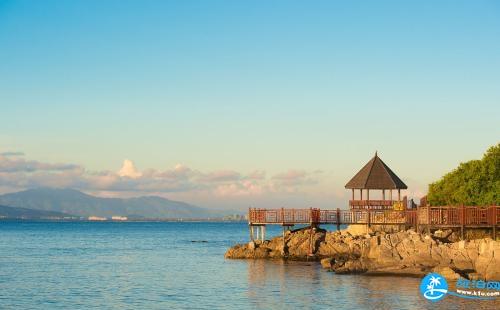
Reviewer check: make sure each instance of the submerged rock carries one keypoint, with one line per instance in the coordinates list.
(402, 253)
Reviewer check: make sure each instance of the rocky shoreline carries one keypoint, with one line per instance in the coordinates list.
(404, 253)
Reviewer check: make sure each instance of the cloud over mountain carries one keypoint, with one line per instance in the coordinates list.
(18, 173)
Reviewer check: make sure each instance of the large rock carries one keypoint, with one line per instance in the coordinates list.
(327, 262)
(403, 253)
(488, 260)
(446, 272)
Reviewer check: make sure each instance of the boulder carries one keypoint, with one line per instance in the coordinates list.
(443, 235)
(350, 267)
(446, 272)
(327, 262)
(402, 253)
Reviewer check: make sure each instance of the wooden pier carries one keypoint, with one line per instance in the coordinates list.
(377, 176)
(440, 217)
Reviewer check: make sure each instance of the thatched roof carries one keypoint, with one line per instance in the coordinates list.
(376, 175)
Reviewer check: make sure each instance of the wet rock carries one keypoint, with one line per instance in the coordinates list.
(350, 267)
(327, 262)
(403, 253)
(446, 272)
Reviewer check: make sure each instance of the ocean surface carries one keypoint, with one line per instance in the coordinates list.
(85, 265)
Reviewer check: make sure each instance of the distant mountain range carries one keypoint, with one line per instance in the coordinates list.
(23, 213)
(70, 201)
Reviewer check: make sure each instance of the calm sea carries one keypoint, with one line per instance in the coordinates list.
(80, 265)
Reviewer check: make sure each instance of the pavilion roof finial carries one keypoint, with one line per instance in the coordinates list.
(376, 154)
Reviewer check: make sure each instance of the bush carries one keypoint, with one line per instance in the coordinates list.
(476, 182)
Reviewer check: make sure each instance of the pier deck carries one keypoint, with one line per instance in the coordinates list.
(429, 217)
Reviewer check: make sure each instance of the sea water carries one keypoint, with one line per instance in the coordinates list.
(177, 265)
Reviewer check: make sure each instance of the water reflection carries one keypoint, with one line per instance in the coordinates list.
(279, 284)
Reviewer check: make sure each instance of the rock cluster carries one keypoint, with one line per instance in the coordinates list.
(403, 253)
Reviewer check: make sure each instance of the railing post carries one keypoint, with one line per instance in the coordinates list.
(462, 221)
(417, 218)
(495, 219)
(368, 218)
(429, 220)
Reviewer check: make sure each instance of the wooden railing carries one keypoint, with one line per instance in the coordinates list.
(465, 215)
(371, 203)
(435, 216)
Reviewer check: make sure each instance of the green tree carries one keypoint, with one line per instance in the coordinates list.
(476, 182)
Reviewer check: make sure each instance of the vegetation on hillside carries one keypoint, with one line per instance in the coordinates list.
(476, 182)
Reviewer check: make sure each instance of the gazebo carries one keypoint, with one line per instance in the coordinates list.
(375, 175)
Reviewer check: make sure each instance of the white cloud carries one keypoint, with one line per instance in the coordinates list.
(14, 162)
(221, 176)
(129, 170)
(17, 173)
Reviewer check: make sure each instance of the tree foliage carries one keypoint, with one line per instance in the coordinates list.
(476, 182)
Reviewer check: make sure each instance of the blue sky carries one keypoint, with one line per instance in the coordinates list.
(306, 91)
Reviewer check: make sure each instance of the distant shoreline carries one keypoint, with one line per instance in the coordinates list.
(127, 221)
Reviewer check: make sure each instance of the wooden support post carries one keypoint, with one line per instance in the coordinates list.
(399, 195)
(353, 194)
(251, 233)
(263, 233)
(284, 238)
(361, 194)
(311, 217)
(383, 194)
(390, 195)
(338, 219)
(311, 241)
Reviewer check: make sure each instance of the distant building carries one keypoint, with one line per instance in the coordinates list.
(119, 218)
(97, 218)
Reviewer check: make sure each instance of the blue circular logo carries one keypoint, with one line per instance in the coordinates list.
(433, 287)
